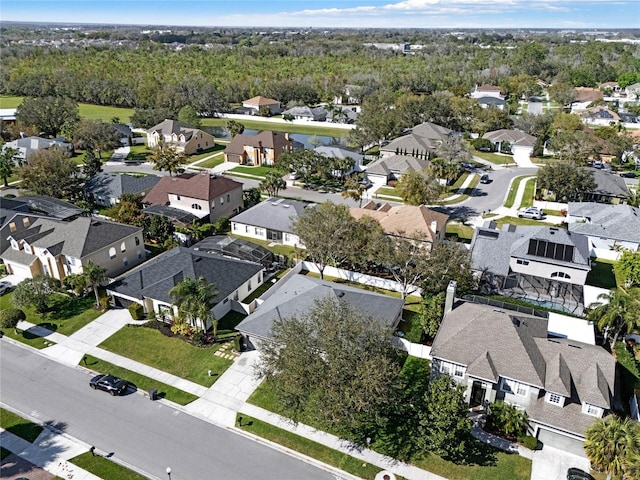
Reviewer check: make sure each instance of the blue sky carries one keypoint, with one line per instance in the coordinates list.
(565, 14)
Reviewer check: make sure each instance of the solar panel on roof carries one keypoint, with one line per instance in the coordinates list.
(555, 251)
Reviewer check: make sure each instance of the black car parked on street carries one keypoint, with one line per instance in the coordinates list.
(109, 383)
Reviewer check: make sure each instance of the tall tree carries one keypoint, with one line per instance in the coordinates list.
(194, 300)
(353, 190)
(453, 150)
(272, 184)
(48, 114)
(628, 267)
(566, 180)
(95, 275)
(96, 135)
(9, 160)
(406, 259)
(159, 228)
(616, 311)
(378, 121)
(562, 93)
(35, 292)
(251, 197)
(148, 117)
(448, 261)
(234, 127)
(608, 442)
(189, 116)
(418, 188)
(165, 157)
(91, 164)
(431, 313)
(52, 173)
(128, 210)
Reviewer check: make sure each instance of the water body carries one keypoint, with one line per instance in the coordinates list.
(307, 141)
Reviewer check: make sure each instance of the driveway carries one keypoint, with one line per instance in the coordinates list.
(552, 464)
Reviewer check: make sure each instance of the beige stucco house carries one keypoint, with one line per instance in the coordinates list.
(185, 139)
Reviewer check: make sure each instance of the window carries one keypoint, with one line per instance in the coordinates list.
(522, 262)
(249, 285)
(592, 410)
(516, 388)
(125, 261)
(137, 241)
(246, 228)
(554, 398)
(445, 367)
(25, 222)
(221, 200)
(225, 300)
(177, 197)
(228, 198)
(195, 206)
(560, 275)
(123, 247)
(139, 254)
(12, 226)
(112, 253)
(458, 371)
(213, 204)
(235, 227)
(27, 248)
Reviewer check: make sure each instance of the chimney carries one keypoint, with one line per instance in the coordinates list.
(450, 298)
(434, 226)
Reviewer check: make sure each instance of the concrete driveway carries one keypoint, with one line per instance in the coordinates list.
(552, 464)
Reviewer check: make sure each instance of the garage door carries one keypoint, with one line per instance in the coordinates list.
(20, 271)
(561, 442)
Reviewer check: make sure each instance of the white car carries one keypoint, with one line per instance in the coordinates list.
(531, 212)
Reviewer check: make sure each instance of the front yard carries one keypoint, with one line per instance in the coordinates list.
(495, 158)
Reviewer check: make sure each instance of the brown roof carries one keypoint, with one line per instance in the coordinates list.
(586, 94)
(405, 219)
(266, 139)
(488, 88)
(202, 186)
(261, 101)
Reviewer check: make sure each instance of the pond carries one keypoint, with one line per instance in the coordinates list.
(308, 141)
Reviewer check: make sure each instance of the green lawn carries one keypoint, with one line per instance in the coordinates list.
(527, 196)
(410, 325)
(94, 112)
(104, 468)
(319, 129)
(458, 231)
(495, 158)
(387, 192)
(601, 275)
(465, 194)
(138, 154)
(278, 249)
(140, 381)
(172, 355)
(211, 162)
(310, 448)
(19, 426)
(519, 221)
(513, 190)
(217, 148)
(629, 371)
(255, 171)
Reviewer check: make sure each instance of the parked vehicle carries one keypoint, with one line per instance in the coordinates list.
(577, 474)
(628, 174)
(109, 383)
(485, 178)
(531, 212)
(6, 287)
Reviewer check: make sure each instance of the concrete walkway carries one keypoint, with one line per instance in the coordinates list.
(552, 464)
(120, 154)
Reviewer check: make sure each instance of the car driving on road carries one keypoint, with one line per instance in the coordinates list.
(109, 383)
(531, 212)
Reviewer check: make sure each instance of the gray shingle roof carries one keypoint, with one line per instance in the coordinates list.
(516, 137)
(397, 164)
(608, 184)
(113, 185)
(297, 295)
(334, 151)
(275, 214)
(422, 138)
(618, 222)
(155, 278)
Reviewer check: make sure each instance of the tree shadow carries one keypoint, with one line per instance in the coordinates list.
(479, 453)
(66, 307)
(41, 330)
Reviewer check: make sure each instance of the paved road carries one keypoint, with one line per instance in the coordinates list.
(149, 435)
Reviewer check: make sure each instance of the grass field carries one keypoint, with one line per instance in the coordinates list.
(255, 171)
(513, 190)
(211, 162)
(319, 129)
(601, 275)
(279, 249)
(104, 468)
(520, 221)
(19, 426)
(86, 110)
(140, 381)
(463, 232)
(527, 196)
(495, 158)
(171, 355)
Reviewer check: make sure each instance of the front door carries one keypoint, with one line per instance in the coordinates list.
(477, 394)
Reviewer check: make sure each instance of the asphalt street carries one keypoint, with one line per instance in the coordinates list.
(134, 430)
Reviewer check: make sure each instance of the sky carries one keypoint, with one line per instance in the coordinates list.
(563, 14)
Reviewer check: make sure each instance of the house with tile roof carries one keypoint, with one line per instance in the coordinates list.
(517, 142)
(185, 139)
(105, 189)
(497, 354)
(32, 245)
(390, 168)
(544, 265)
(609, 228)
(271, 220)
(256, 104)
(420, 142)
(297, 294)
(202, 196)
(261, 149)
(150, 284)
(406, 221)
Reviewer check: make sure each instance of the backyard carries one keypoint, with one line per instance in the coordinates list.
(318, 129)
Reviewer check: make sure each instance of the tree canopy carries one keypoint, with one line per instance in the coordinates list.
(48, 114)
(52, 173)
(566, 180)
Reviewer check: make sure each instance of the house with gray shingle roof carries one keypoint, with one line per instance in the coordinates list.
(150, 284)
(33, 245)
(543, 265)
(106, 188)
(610, 188)
(27, 146)
(518, 143)
(386, 169)
(609, 228)
(421, 141)
(271, 220)
(562, 384)
(185, 139)
(297, 294)
(311, 114)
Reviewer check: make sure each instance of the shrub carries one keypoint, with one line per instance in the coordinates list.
(236, 343)
(199, 338)
(181, 328)
(10, 317)
(530, 442)
(137, 311)
(151, 315)
(104, 303)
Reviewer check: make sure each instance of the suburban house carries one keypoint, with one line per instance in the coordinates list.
(391, 168)
(520, 144)
(496, 102)
(487, 91)
(338, 151)
(613, 86)
(633, 92)
(49, 206)
(547, 266)
(407, 221)
(150, 284)
(185, 139)
(351, 95)
(261, 149)
(8, 115)
(32, 245)
(599, 115)
(562, 384)
(297, 294)
(204, 196)
(421, 141)
(256, 104)
(105, 189)
(237, 248)
(343, 114)
(270, 220)
(609, 228)
(610, 188)
(27, 146)
(585, 96)
(311, 114)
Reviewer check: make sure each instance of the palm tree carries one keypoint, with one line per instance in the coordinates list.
(272, 184)
(608, 442)
(95, 275)
(617, 310)
(631, 466)
(193, 299)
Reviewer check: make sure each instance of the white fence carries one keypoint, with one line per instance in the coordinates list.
(257, 118)
(413, 349)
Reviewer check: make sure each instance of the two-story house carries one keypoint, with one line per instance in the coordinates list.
(547, 266)
(561, 383)
(420, 142)
(255, 105)
(32, 245)
(194, 196)
(185, 139)
(261, 149)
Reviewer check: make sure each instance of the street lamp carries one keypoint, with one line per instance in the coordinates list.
(169, 472)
